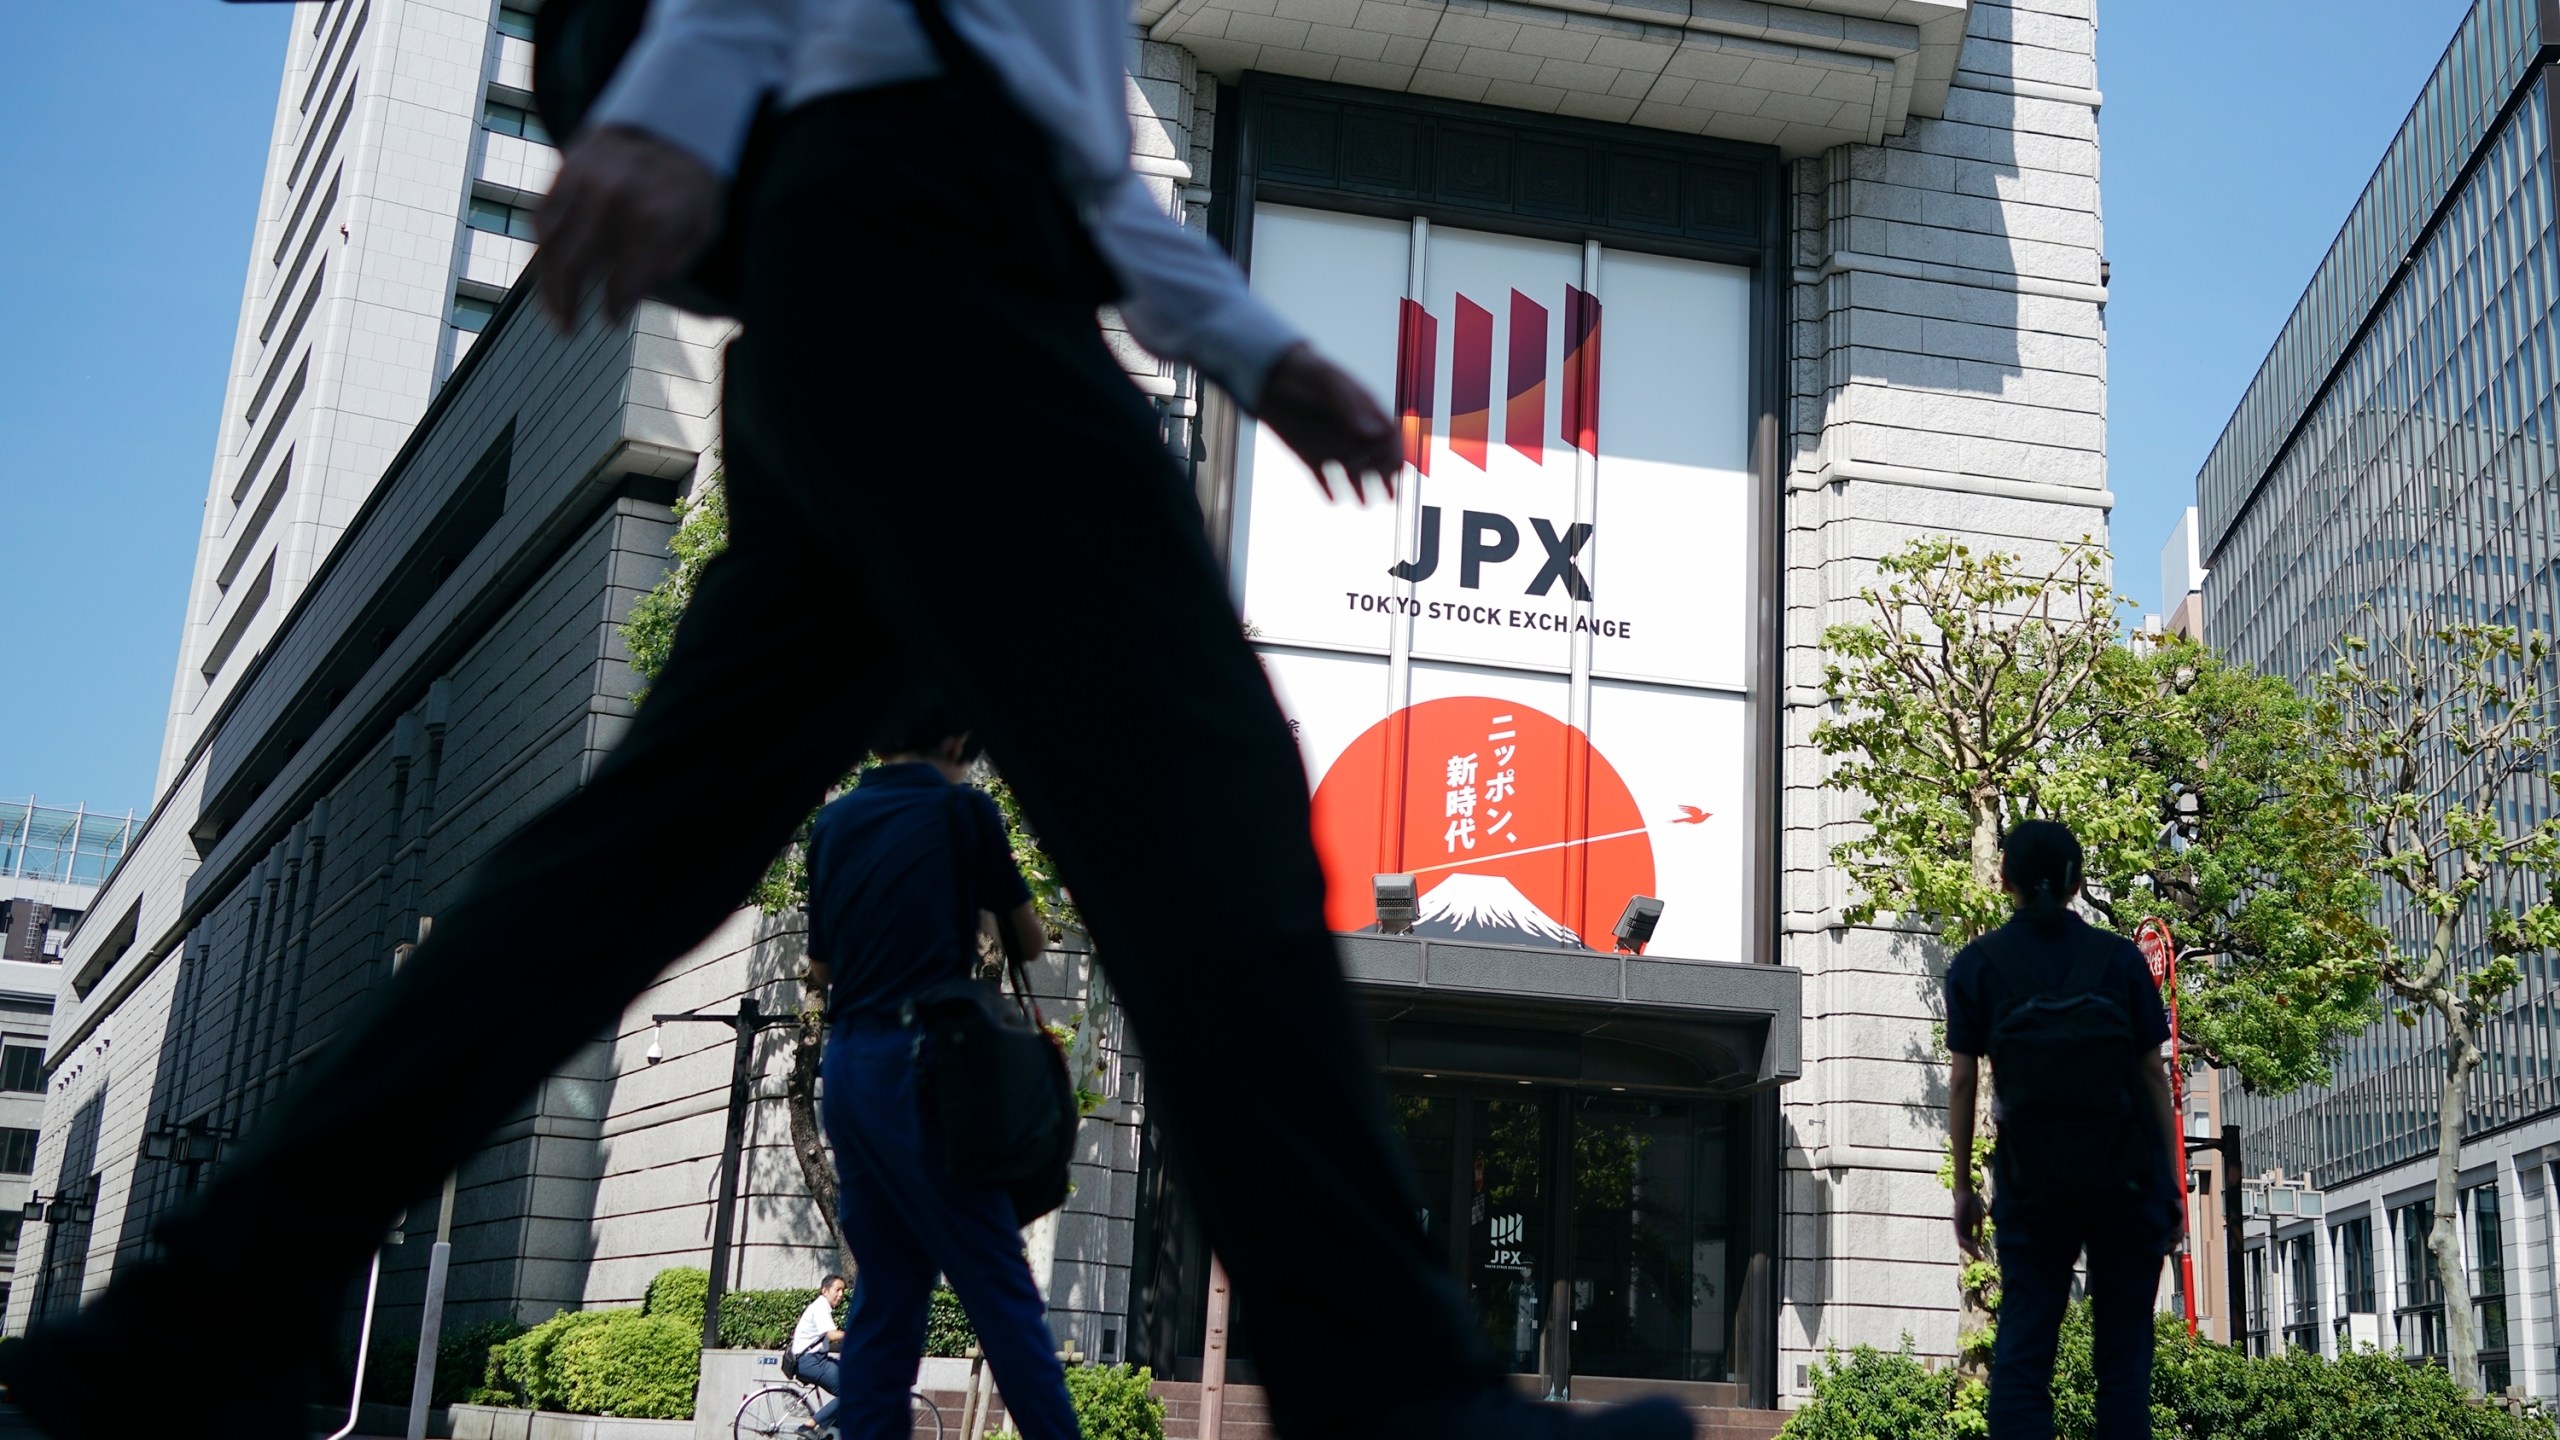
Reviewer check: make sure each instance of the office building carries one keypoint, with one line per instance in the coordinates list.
(395, 211)
(52, 858)
(1689, 317)
(2393, 462)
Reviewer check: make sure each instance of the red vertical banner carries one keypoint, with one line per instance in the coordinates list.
(1471, 383)
(1582, 371)
(1417, 379)
(1524, 416)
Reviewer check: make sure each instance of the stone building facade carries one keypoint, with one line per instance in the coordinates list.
(1903, 193)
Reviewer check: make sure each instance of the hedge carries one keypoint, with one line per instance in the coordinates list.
(462, 1359)
(1115, 1402)
(2200, 1390)
(764, 1319)
(600, 1362)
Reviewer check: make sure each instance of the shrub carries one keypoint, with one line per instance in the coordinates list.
(1871, 1395)
(947, 1332)
(1115, 1402)
(2199, 1391)
(630, 1364)
(524, 1371)
(678, 1293)
(462, 1359)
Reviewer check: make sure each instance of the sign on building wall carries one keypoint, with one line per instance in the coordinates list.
(1524, 682)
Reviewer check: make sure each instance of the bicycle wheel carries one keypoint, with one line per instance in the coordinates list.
(928, 1416)
(776, 1412)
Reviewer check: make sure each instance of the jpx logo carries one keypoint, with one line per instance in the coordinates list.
(1485, 537)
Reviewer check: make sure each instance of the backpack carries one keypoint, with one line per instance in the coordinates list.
(2063, 1059)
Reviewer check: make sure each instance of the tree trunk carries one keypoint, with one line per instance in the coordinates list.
(2444, 1238)
(808, 1137)
(1974, 1311)
(1984, 810)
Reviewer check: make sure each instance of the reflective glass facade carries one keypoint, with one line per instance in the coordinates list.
(2422, 478)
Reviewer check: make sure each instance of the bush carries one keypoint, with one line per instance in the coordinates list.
(462, 1359)
(2199, 1391)
(678, 1293)
(946, 1326)
(631, 1364)
(599, 1362)
(1115, 1402)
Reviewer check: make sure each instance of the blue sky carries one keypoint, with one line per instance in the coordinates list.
(2236, 134)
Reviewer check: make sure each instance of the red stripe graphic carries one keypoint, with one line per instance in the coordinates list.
(1524, 417)
(1582, 371)
(1417, 379)
(1471, 383)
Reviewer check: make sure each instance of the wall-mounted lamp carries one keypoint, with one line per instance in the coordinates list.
(1635, 927)
(1399, 902)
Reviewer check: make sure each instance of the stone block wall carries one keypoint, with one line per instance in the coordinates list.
(1947, 374)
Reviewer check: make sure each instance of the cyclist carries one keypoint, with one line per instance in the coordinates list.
(813, 1341)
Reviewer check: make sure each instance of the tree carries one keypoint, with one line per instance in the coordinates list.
(649, 630)
(2248, 850)
(1955, 704)
(1978, 692)
(2446, 734)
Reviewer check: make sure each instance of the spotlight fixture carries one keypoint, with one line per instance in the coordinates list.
(655, 1053)
(1399, 903)
(1635, 927)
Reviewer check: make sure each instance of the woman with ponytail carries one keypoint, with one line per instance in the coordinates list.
(2088, 1159)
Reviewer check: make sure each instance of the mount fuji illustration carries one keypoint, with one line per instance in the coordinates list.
(1491, 909)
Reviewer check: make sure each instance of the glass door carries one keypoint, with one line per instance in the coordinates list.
(1651, 1298)
(1505, 1171)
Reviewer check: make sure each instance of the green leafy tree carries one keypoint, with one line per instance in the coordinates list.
(2446, 735)
(2247, 848)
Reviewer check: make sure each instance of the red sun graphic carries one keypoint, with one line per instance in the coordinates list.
(1533, 824)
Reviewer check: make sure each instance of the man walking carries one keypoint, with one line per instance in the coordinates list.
(813, 1342)
(900, 870)
(2088, 1157)
(944, 203)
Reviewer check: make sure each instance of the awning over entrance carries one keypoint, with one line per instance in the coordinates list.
(1803, 75)
(1579, 1016)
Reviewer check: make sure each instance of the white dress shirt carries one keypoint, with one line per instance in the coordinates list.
(811, 1333)
(700, 67)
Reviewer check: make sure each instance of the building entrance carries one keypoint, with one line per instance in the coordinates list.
(1588, 1228)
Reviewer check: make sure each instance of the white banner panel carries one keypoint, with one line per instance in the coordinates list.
(1527, 394)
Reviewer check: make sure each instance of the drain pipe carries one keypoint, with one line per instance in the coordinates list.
(364, 1343)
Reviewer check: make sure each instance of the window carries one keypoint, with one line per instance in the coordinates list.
(2302, 1295)
(514, 120)
(472, 313)
(2254, 1322)
(11, 1222)
(22, 1069)
(2489, 1289)
(2420, 1315)
(515, 23)
(17, 1151)
(2355, 1274)
(500, 218)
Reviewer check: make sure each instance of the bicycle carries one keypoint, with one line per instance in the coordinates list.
(785, 1410)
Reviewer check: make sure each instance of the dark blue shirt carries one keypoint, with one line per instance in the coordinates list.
(886, 914)
(1976, 999)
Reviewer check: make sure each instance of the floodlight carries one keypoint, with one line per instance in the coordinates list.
(203, 1146)
(1399, 902)
(33, 1211)
(159, 1145)
(1635, 927)
(2311, 1203)
(2280, 1199)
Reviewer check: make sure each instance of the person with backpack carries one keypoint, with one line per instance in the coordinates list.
(2089, 1159)
(901, 867)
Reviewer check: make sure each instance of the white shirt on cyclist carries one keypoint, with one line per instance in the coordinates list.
(816, 1324)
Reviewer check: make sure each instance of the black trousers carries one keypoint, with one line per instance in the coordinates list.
(934, 462)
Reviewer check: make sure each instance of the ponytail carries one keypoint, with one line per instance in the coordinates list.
(2040, 861)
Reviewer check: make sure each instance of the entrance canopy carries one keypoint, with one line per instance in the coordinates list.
(1578, 1016)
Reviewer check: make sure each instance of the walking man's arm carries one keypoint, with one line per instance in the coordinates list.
(1964, 1079)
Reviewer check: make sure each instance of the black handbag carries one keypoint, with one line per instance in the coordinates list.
(578, 44)
(992, 1080)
